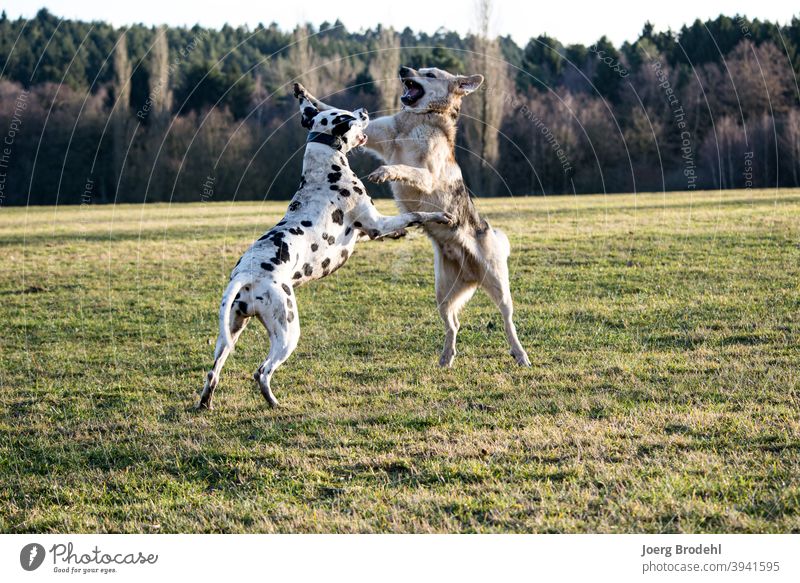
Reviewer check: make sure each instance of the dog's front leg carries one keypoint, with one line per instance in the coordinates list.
(374, 224)
(419, 178)
(381, 134)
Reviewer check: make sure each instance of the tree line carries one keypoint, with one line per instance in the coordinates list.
(90, 113)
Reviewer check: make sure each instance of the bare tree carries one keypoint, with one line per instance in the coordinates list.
(760, 79)
(159, 76)
(301, 62)
(723, 152)
(790, 142)
(483, 111)
(383, 66)
(324, 77)
(120, 126)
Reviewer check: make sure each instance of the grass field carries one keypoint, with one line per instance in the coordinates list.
(664, 332)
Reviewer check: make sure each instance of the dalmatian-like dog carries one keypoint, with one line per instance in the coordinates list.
(317, 234)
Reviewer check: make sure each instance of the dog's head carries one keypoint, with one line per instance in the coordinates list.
(339, 128)
(436, 90)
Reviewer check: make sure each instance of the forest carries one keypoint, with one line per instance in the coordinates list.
(93, 114)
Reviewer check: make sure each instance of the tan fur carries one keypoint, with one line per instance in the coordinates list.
(418, 146)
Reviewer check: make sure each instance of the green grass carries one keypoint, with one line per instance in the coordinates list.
(663, 396)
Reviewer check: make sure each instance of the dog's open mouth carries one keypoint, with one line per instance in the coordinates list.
(362, 140)
(413, 92)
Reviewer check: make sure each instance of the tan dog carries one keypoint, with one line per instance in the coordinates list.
(418, 146)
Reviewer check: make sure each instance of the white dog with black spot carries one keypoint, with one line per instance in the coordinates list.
(328, 213)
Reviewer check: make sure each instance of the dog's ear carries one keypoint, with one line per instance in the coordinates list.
(466, 84)
(307, 109)
(307, 114)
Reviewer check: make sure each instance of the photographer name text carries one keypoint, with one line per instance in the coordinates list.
(668, 551)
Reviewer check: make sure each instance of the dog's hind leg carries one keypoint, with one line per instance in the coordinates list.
(221, 353)
(496, 285)
(452, 292)
(279, 315)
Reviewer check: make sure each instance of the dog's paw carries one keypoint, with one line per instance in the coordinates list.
(399, 234)
(381, 174)
(204, 405)
(446, 219)
(447, 358)
(299, 90)
(521, 358)
(263, 384)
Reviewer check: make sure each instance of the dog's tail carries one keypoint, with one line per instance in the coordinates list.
(225, 310)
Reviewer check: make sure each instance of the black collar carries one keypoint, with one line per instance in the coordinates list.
(327, 139)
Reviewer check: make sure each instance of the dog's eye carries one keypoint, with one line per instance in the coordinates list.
(431, 75)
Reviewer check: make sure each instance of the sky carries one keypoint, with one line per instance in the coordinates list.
(570, 21)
